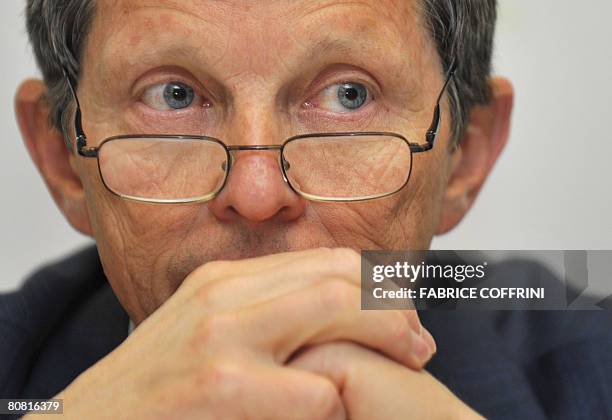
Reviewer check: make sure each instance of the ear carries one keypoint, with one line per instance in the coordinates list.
(50, 155)
(485, 137)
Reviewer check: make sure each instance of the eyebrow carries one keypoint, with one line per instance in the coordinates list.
(368, 50)
(331, 44)
(366, 35)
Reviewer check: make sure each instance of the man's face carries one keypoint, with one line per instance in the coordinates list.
(261, 72)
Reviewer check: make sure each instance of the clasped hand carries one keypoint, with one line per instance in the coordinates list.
(275, 337)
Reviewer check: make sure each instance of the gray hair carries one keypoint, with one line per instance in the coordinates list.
(461, 29)
(57, 31)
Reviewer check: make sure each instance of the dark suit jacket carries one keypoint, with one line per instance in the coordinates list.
(506, 364)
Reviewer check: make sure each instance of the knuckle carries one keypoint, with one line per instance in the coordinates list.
(206, 272)
(225, 379)
(206, 295)
(337, 294)
(326, 256)
(348, 254)
(211, 330)
(324, 396)
(203, 280)
(345, 262)
(347, 259)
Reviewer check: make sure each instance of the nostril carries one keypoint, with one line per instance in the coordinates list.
(284, 211)
(231, 212)
(256, 191)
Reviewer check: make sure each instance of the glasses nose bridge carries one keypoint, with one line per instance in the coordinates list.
(254, 147)
(232, 150)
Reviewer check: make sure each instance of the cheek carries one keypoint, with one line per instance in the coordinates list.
(406, 220)
(402, 221)
(141, 234)
(126, 223)
(135, 241)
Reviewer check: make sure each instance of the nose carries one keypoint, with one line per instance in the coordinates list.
(256, 191)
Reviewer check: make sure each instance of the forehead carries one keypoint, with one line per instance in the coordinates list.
(382, 8)
(235, 36)
(289, 18)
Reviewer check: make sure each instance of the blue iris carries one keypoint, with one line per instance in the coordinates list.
(178, 95)
(352, 95)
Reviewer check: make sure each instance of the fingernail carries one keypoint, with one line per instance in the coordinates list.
(420, 348)
(429, 340)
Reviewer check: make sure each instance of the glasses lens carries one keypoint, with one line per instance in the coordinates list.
(163, 169)
(347, 167)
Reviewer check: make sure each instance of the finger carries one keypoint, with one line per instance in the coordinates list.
(298, 395)
(268, 392)
(415, 323)
(214, 284)
(333, 360)
(369, 383)
(372, 386)
(329, 312)
(271, 276)
(265, 278)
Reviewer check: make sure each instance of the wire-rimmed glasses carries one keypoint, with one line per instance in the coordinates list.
(328, 167)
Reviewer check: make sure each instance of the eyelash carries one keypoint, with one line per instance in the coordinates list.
(330, 91)
(156, 91)
(201, 101)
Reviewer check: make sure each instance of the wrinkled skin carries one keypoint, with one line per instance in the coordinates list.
(259, 71)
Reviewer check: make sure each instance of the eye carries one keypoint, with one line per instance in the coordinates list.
(344, 97)
(169, 96)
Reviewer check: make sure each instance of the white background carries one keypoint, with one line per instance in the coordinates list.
(551, 188)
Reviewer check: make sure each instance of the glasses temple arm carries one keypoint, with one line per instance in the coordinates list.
(432, 132)
(81, 139)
